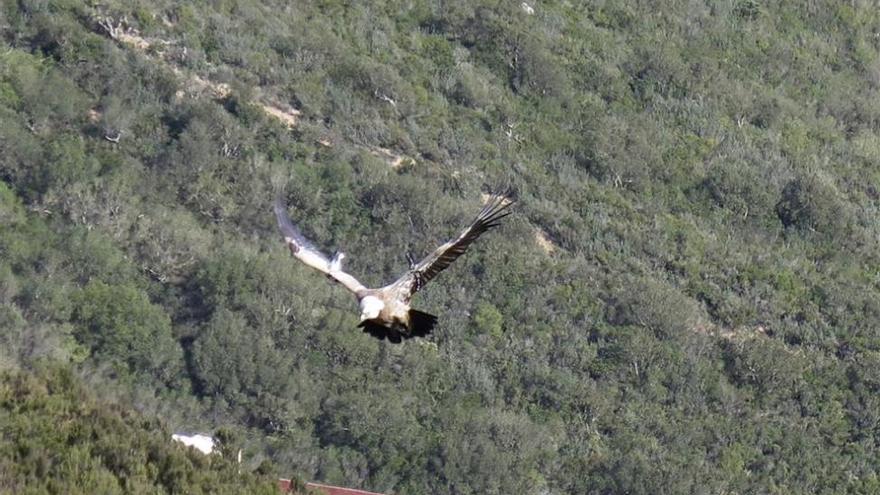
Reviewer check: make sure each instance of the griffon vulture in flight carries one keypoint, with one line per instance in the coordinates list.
(386, 311)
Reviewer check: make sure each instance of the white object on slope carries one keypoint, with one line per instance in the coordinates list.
(203, 443)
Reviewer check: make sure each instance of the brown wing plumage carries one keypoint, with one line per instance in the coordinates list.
(443, 256)
(306, 252)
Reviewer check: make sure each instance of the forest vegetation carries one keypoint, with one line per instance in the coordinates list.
(686, 300)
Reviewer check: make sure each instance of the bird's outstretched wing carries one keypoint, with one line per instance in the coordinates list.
(422, 272)
(306, 252)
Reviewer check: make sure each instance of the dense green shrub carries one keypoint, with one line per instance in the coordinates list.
(121, 326)
(57, 437)
(812, 204)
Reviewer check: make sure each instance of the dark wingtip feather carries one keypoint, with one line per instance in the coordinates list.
(288, 229)
(280, 204)
(496, 209)
(280, 208)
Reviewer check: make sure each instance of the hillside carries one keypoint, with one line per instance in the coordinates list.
(686, 300)
(56, 437)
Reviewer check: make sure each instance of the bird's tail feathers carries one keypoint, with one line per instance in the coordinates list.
(420, 323)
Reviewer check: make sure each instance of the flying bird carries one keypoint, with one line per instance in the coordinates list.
(386, 311)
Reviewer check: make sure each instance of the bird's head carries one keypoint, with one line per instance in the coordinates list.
(370, 307)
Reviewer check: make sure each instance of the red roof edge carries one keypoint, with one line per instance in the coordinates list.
(336, 490)
(285, 485)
